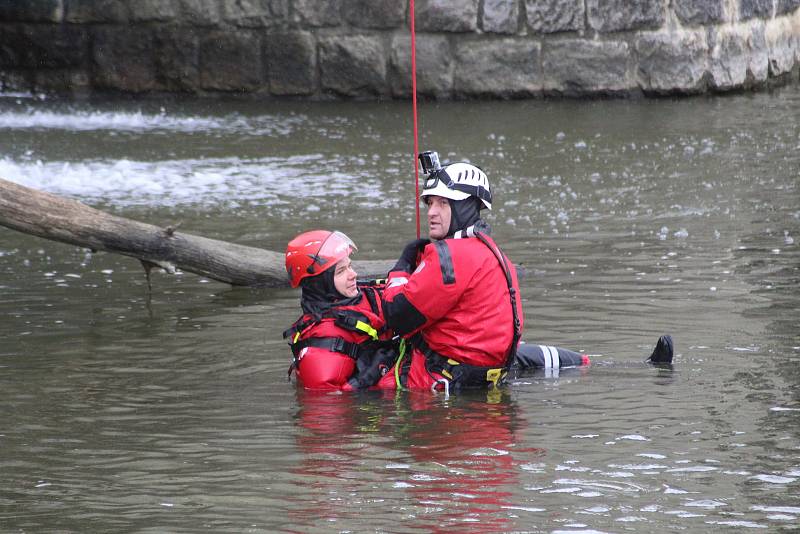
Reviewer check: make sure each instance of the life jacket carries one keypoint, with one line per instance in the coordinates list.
(354, 331)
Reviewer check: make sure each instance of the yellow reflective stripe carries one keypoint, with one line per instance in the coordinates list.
(296, 337)
(453, 362)
(367, 329)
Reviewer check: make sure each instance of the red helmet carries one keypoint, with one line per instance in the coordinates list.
(314, 252)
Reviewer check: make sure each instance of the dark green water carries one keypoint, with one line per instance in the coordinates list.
(631, 219)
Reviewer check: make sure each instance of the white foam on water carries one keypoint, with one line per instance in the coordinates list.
(192, 181)
(137, 121)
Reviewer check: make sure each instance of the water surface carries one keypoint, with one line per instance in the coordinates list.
(123, 411)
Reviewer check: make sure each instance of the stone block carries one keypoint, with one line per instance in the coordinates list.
(500, 16)
(153, 11)
(699, 12)
(317, 13)
(230, 61)
(291, 60)
(578, 67)
(434, 66)
(256, 13)
(758, 64)
(503, 68)
(43, 46)
(178, 58)
(378, 14)
(729, 57)
(551, 16)
(623, 15)
(783, 7)
(31, 10)
(96, 11)
(72, 82)
(749, 9)
(123, 59)
(202, 13)
(446, 15)
(782, 46)
(672, 62)
(353, 66)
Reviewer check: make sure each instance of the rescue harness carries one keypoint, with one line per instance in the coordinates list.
(350, 320)
(461, 374)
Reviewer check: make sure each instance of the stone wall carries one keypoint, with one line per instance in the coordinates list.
(320, 49)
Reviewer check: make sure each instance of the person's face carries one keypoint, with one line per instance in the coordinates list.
(344, 279)
(438, 216)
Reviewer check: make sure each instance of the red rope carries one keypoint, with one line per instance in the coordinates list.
(414, 106)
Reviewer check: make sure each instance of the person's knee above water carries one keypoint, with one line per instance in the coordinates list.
(454, 298)
(341, 330)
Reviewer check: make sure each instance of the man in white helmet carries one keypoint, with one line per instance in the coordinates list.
(455, 297)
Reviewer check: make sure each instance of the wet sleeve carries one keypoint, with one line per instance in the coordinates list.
(417, 300)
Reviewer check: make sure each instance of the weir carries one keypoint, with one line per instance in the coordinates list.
(360, 49)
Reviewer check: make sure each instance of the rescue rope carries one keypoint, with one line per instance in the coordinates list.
(414, 107)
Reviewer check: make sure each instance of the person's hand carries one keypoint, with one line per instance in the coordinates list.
(408, 258)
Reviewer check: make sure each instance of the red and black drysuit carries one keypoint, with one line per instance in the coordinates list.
(339, 344)
(456, 312)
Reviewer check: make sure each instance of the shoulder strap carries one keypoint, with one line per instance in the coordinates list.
(512, 293)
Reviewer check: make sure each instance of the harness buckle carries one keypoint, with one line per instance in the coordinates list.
(494, 376)
(446, 383)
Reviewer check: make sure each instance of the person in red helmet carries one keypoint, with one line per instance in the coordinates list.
(341, 339)
(453, 298)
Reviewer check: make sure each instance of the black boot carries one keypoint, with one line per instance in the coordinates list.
(662, 354)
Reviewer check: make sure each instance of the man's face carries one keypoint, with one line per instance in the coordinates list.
(344, 279)
(438, 216)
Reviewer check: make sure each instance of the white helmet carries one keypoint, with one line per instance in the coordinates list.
(457, 182)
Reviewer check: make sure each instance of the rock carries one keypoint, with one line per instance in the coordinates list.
(178, 58)
(699, 12)
(729, 57)
(352, 66)
(317, 13)
(672, 62)
(782, 46)
(230, 61)
(123, 59)
(446, 15)
(550, 16)
(623, 15)
(42, 46)
(755, 8)
(500, 16)
(434, 66)
(380, 14)
(202, 13)
(291, 63)
(783, 7)
(578, 67)
(92, 11)
(32, 10)
(758, 64)
(153, 11)
(256, 13)
(503, 68)
(70, 81)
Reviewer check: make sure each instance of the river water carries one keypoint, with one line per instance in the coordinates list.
(125, 412)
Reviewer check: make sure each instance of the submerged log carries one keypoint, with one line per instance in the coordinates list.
(68, 221)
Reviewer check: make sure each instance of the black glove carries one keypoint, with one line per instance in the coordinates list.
(408, 258)
(370, 369)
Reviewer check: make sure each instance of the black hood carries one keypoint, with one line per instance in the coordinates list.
(319, 293)
(463, 214)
